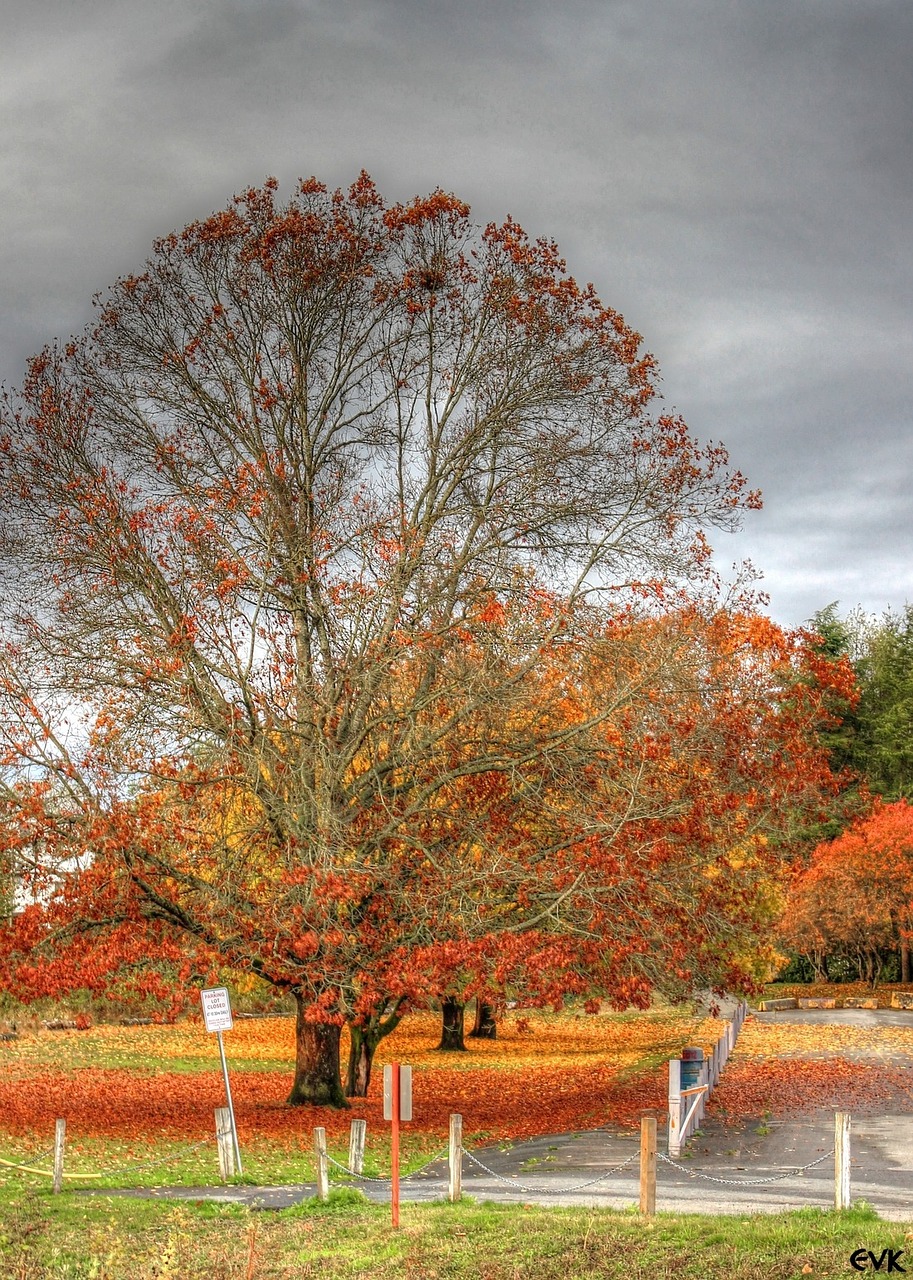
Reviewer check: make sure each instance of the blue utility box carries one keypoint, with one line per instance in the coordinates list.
(692, 1061)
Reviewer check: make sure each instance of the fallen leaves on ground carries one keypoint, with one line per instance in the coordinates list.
(787, 1088)
(821, 1039)
(839, 990)
(791, 1069)
(502, 1105)
(564, 1072)
(549, 1074)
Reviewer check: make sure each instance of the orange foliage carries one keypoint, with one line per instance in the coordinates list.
(304, 685)
(855, 896)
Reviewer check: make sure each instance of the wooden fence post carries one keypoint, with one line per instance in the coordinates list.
(648, 1164)
(60, 1138)
(455, 1158)
(323, 1173)
(841, 1160)
(675, 1107)
(225, 1143)
(357, 1134)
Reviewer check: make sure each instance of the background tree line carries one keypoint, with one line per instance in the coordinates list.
(849, 911)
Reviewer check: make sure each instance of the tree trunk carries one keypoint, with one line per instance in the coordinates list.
(317, 1081)
(452, 1025)
(905, 962)
(485, 1027)
(362, 1045)
(363, 1041)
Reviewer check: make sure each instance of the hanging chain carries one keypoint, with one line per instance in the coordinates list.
(744, 1182)
(39, 1155)
(364, 1177)
(145, 1164)
(551, 1191)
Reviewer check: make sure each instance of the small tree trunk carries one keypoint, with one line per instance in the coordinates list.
(485, 1027)
(452, 1025)
(363, 1041)
(905, 962)
(361, 1057)
(317, 1081)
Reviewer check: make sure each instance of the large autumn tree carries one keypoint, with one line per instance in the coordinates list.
(286, 532)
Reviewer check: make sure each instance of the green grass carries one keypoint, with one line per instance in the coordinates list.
(72, 1237)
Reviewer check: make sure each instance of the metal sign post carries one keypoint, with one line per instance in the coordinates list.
(397, 1107)
(217, 1016)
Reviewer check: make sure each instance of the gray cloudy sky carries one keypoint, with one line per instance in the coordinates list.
(734, 175)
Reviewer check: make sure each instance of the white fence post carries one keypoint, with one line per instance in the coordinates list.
(675, 1106)
(455, 1158)
(703, 1079)
(357, 1134)
(60, 1138)
(841, 1160)
(225, 1143)
(686, 1113)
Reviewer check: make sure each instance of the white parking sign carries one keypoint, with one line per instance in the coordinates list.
(216, 1009)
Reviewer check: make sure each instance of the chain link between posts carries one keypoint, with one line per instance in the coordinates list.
(592, 1182)
(744, 1182)
(551, 1191)
(364, 1177)
(39, 1155)
(144, 1164)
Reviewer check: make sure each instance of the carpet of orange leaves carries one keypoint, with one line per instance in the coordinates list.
(561, 1074)
(882, 992)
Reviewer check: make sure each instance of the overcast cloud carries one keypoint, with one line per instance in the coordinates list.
(734, 177)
